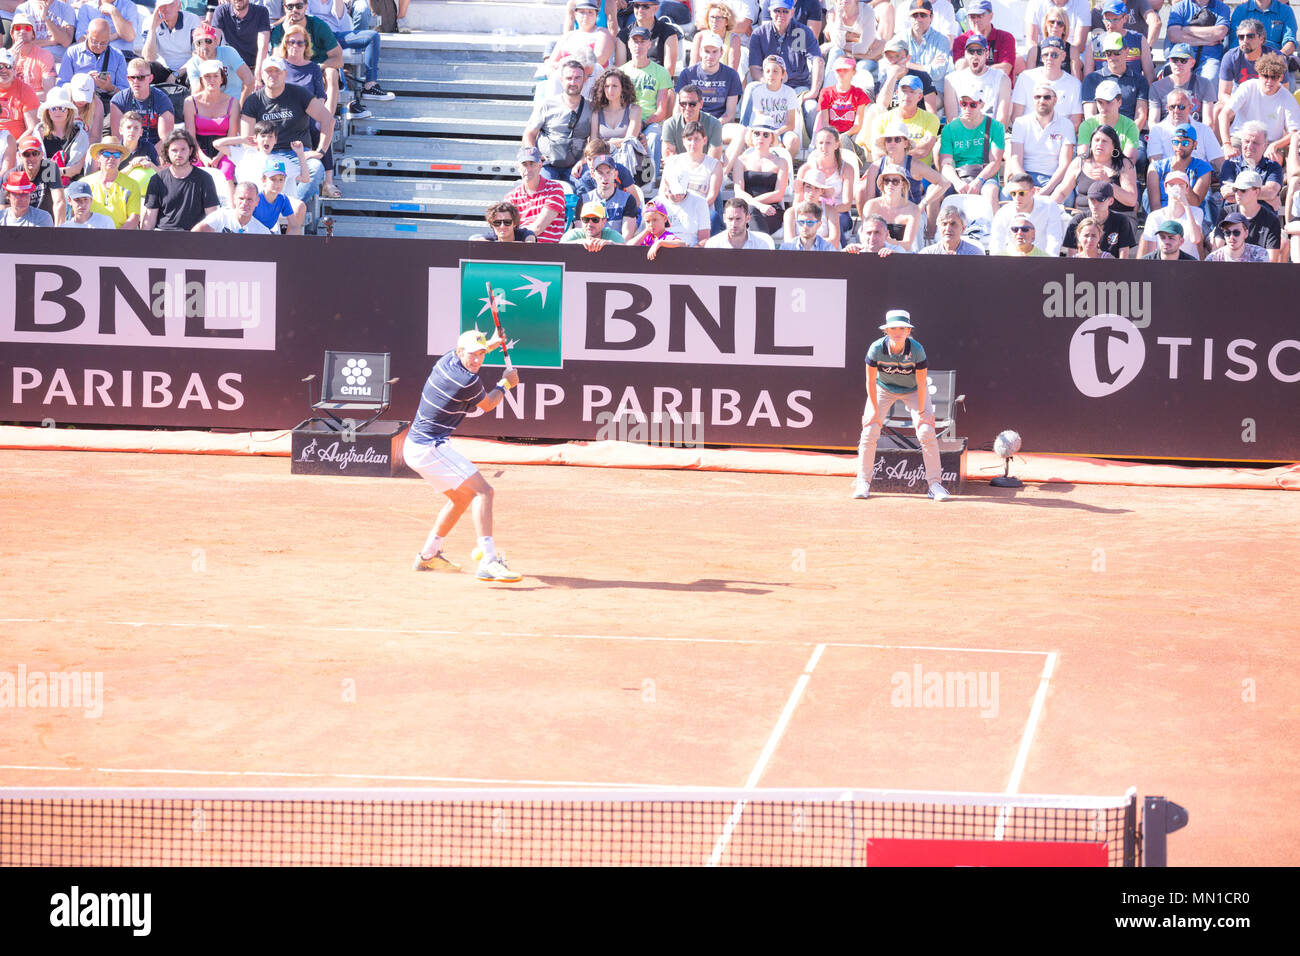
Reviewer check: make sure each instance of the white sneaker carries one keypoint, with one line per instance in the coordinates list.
(861, 488)
(938, 492)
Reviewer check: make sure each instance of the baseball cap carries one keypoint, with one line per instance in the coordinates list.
(638, 33)
(845, 63)
(1176, 175)
(22, 19)
(1022, 217)
(1171, 226)
(81, 88)
(765, 122)
(1115, 8)
(1236, 218)
(1112, 41)
(209, 66)
(528, 154)
(780, 5)
(586, 5)
(1248, 179)
(18, 182)
(911, 82)
(710, 39)
(1185, 131)
(1053, 43)
(592, 209)
(1101, 191)
(977, 42)
(273, 167)
(1181, 49)
(1108, 90)
(898, 319)
(29, 143)
(6, 57)
(967, 87)
(275, 62)
(896, 44)
(603, 159)
(655, 205)
(472, 341)
(918, 5)
(676, 184)
(979, 6)
(78, 190)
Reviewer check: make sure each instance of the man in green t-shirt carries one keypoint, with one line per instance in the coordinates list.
(970, 148)
(654, 90)
(1108, 98)
(592, 231)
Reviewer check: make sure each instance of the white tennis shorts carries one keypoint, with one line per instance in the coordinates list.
(440, 465)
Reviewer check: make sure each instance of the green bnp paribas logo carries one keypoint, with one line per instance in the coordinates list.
(530, 304)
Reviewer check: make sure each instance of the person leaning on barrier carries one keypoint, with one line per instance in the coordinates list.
(81, 216)
(873, 239)
(238, 218)
(807, 221)
(949, 241)
(541, 202)
(1169, 237)
(736, 233)
(20, 211)
(592, 231)
(503, 225)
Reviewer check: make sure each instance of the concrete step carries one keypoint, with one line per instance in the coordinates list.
(479, 88)
(406, 228)
(482, 157)
(509, 47)
(405, 195)
(426, 66)
(446, 116)
(520, 16)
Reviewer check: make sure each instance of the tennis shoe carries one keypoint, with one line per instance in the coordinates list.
(938, 492)
(376, 92)
(861, 488)
(436, 563)
(496, 572)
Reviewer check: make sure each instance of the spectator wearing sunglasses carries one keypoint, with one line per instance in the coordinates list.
(154, 106)
(1202, 94)
(42, 173)
(1042, 143)
(238, 80)
(1241, 62)
(1276, 19)
(1069, 91)
(123, 18)
(1263, 227)
(1267, 100)
(32, 63)
(808, 223)
(1040, 210)
(169, 39)
(54, 23)
(114, 195)
(1114, 17)
(592, 229)
(94, 56)
(20, 211)
(1023, 238)
(246, 27)
(1199, 173)
(1135, 91)
(1235, 247)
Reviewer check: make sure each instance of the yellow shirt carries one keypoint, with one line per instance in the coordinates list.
(118, 200)
(920, 126)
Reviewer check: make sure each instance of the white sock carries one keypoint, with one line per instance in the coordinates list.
(432, 545)
(489, 548)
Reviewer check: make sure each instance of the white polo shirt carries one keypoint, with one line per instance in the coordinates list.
(175, 46)
(1042, 144)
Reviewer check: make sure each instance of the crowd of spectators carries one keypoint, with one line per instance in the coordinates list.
(904, 126)
(176, 115)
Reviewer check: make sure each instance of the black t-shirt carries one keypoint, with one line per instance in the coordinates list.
(182, 203)
(1155, 256)
(242, 34)
(46, 180)
(1265, 229)
(1117, 233)
(288, 112)
(142, 148)
(521, 235)
(659, 36)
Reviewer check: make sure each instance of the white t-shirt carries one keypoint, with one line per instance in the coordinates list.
(760, 101)
(174, 46)
(744, 10)
(687, 218)
(227, 220)
(1279, 112)
(1160, 216)
(755, 240)
(1042, 144)
(97, 220)
(989, 83)
(1069, 92)
(697, 177)
(1049, 228)
(1207, 141)
(865, 27)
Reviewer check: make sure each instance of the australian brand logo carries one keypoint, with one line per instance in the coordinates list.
(909, 471)
(342, 454)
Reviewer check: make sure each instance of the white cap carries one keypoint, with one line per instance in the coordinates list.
(472, 341)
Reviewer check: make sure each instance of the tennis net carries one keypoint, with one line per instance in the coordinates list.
(355, 827)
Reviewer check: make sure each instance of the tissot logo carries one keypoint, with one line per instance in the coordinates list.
(1106, 354)
(177, 303)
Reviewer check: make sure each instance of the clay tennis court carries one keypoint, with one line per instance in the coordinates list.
(255, 628)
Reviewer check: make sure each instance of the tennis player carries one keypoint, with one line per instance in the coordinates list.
(452, 389)
(897, 371)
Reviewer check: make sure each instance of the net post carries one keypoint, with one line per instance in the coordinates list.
(1132, 837)
(1160, 817)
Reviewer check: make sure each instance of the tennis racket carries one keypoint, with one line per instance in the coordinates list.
(505, 346)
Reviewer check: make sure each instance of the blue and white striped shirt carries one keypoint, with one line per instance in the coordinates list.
(449, 394)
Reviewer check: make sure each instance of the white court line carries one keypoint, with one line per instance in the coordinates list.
(474, 781)
(1027, 739)
(770, 748)
(199, 625)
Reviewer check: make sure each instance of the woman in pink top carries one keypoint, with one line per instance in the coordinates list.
(212, 114)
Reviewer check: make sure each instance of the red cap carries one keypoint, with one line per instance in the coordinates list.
(30, 142)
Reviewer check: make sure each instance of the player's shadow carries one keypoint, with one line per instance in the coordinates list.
(1014, 496)
(705, 585)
